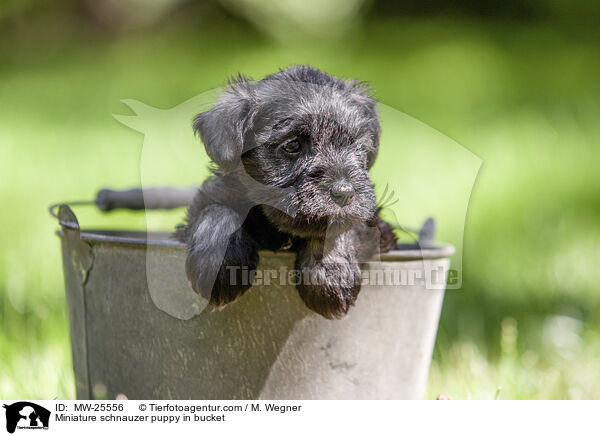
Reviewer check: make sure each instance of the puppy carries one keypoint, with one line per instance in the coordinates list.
(291, 157)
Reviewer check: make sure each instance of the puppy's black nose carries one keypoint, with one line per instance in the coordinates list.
(342, 193)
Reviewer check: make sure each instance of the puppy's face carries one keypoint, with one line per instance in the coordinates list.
(305, 130)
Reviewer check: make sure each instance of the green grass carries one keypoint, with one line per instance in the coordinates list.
(524, 98)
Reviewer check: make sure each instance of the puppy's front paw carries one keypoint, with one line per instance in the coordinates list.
(236, 271)
(221, 256)
(330, 289)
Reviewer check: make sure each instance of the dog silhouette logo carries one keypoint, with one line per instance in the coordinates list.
(26, 415)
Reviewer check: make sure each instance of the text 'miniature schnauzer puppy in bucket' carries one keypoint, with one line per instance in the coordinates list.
(292, 154)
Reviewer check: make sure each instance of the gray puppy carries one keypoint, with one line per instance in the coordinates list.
(291, 154)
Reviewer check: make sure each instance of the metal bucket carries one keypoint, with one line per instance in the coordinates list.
(267, 345)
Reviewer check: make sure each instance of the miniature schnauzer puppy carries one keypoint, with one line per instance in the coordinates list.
(291, 154)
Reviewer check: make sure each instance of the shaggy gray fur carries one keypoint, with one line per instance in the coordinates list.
(291, 154)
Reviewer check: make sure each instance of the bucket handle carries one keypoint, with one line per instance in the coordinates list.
(172, 198)
(132, 199)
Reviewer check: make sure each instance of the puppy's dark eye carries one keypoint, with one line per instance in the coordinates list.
(291, 147)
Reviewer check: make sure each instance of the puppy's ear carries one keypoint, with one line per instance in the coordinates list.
(363, 95)
(222, 128)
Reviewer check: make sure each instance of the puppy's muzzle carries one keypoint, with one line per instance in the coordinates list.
(342, 193)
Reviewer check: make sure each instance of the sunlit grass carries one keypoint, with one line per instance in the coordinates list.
(561, 365)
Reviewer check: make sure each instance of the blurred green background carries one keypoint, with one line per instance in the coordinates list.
(514, 82)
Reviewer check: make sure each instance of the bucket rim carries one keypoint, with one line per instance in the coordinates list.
(142, 239)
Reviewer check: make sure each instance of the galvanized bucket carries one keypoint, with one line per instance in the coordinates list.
(134, 333)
